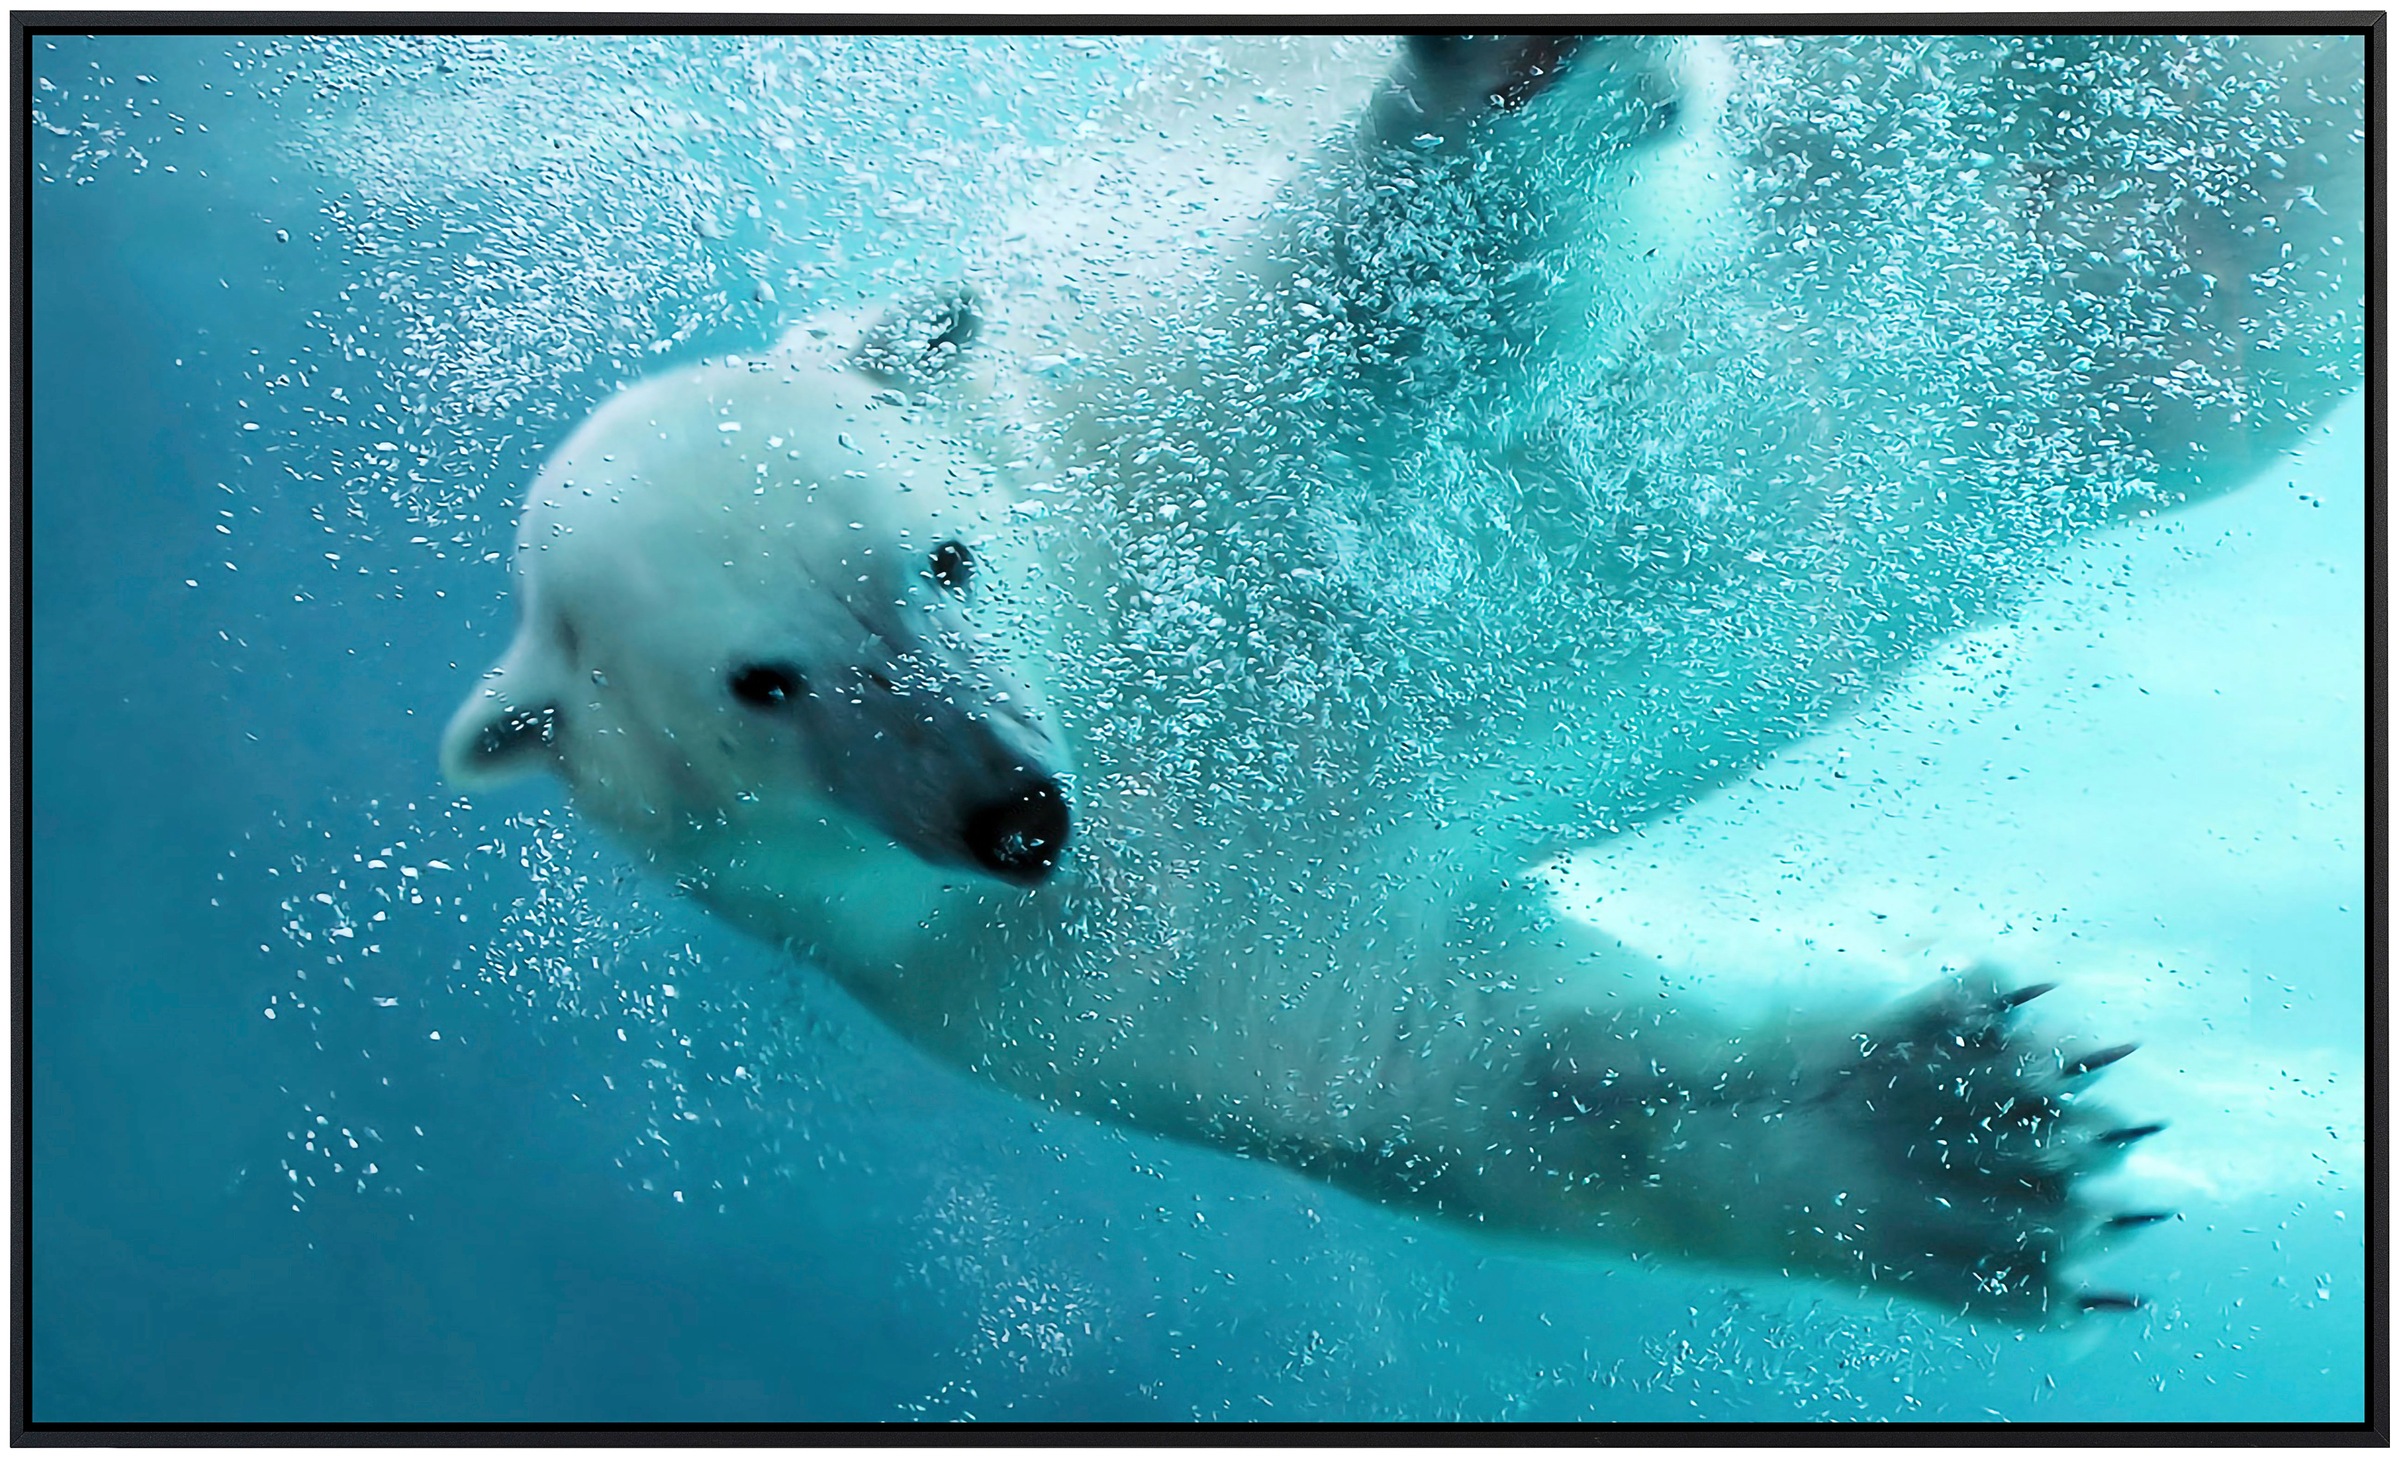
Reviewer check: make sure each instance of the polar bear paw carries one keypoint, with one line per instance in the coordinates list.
(1971, 1142)
(1940, 1152)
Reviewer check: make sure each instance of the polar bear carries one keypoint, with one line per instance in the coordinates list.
(1161, 700)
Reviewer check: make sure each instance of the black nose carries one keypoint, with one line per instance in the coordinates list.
(1020, 838)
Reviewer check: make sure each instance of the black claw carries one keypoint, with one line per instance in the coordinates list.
(2108, 1301)
(2134, 1220)
(2094, 1062)
(2022, 995)
(2133, 1135)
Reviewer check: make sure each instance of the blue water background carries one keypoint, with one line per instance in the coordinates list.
(592, 1199)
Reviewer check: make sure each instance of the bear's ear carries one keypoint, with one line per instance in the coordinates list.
(919, 340)
(508, 728)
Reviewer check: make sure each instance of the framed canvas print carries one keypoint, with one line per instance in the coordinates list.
(758, 733)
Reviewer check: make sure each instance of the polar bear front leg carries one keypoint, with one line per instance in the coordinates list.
(1504, 210)
(1446, 79)
(1937, 1150)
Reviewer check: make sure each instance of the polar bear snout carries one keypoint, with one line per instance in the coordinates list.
(1020, 837)
(941, 753)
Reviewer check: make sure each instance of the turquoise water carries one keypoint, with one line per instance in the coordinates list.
(353, 1100)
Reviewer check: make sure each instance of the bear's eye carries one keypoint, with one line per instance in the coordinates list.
(766, 685)
(952, 565)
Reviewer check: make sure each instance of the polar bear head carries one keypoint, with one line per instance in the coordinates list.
(766, 602)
